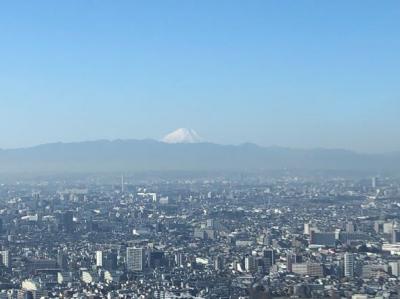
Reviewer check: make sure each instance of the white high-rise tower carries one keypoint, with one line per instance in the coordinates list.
(349, 264)
(99, 258)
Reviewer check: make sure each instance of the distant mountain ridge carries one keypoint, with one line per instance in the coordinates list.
(151, 155)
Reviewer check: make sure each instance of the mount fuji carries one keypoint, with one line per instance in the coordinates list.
(183, 135)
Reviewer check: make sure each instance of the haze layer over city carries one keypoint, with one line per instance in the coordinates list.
(199, 149)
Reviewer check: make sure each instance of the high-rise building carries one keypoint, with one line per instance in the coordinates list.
(378, 226)
(374, 182)
(269, 254)
(5, 258)
(292, 258)
(350, 227)
(396, 236)
(323, 238)
(62, 260)
(388, 227)
(289, 262)
(349, 264)
(111, 260)
(67, 221)
(307, 228)
(178, 259)
(156, 259)
(395, 268)
(311, 269)
(268, 259)
(315, 270)
(250, 263)
(219, 263)
(135, 259)
(210, 223)
(99, 258)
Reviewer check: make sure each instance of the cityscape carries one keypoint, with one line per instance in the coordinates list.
(251, 236)
(187, 149)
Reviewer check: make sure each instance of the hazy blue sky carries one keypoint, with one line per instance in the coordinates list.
(289, 73)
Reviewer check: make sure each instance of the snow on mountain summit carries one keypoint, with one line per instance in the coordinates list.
(182, 135)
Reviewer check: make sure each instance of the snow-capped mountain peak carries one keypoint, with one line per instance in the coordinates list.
(182, 135)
